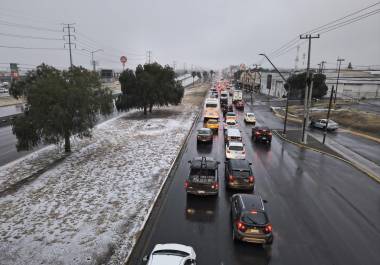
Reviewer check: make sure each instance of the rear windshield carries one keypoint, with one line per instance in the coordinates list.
(171, 252)
(211, 105)
(240, 174)
(231, 114)
(250, 115)
(213, 121)
(231, 123)
(202, 175)
(204, 132)
(235, 148)
(254, 218)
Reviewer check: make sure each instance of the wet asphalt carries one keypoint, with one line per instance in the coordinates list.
(323, 211)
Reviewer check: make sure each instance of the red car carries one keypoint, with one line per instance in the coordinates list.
(239, 105)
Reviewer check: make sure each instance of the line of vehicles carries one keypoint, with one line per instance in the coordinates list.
(249, 219)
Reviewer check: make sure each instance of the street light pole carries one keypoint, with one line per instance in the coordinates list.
(328, 115)
(339, 60)
(286, 86)
(92, 57)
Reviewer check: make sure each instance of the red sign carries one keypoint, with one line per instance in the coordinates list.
(123, 59)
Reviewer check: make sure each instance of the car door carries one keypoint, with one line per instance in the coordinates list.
(234, 208)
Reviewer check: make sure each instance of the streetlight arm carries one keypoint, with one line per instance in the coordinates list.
(283, 78)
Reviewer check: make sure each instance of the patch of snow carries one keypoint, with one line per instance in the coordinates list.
(88, 208)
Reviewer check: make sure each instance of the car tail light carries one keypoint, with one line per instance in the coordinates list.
(231, 178)
(268, 229)
(257, 133)
(270, 134)
(186, 184)
(243, 152)
(215, 185)
(251, 179)
(240, 226)
(228, 151)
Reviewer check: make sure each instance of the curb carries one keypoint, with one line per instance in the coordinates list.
(185, 140)
(358, 167)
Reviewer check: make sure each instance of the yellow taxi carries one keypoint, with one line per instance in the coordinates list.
(213, 124)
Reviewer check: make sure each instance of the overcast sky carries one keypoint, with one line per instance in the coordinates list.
(203, 33)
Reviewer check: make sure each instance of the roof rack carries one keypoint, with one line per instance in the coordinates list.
(204, 162)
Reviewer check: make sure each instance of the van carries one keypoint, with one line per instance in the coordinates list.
(232, 135)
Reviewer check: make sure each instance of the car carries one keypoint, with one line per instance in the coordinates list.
(321, 124)
(231, 116)
(239, 175)
(230, 108)
(262, 134)
(250, 117)
(203, 177)
(213, 124)
(232, 134)
(204, 135)
(171, 254)
(239, 105)
(235, 150)
(224, 97)
(214, 94)
(230, 124)
(250, 222)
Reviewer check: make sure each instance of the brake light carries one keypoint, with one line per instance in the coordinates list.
(253, 212)
(231, 178)
(257, 133)
(251, 179)
(215, 185)
(241, 226)
(186, 184)
(270, 134)
(243, 152)
(268, 229)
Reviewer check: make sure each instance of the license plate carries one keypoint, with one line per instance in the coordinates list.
(201, 191)
(264, 138)
(253, 231)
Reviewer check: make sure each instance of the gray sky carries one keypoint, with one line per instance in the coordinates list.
(204, 33)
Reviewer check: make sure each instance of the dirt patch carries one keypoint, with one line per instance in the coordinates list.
(7, 101)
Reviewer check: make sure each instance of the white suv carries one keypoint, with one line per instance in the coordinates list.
(171, 254)
(235, 150)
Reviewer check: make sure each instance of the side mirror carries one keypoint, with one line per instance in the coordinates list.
(250, 163)
(145, 258)
(265, 201)
(189, 161)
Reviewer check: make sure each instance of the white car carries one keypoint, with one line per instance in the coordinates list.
(171, 254)
(250, 117)
(235, 150)
(332, 126)
(230, 124)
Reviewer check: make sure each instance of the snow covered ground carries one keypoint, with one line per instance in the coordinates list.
(88, 208)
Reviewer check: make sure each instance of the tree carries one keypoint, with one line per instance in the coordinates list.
(298, 83)
(150, 85)
(193, 74)
(212, 73)
(205, 75)
(349, 67)
(59, 104)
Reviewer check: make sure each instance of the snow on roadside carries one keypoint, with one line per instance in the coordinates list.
(87, 209)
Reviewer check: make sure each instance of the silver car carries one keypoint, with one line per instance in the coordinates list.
(321, 124)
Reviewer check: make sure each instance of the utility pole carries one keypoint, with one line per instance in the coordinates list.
(328, 115)
(339, 61)
(92, 57)
(322, 66)
(149, 54)
(307, 87)
(69, 35)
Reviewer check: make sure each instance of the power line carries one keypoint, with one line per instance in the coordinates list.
(28, 37)
(30, 48)
(10, 24)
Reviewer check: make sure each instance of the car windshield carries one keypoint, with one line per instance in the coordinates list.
(212, 121)
(241, 173)
(171, 252)
(254, 218)
(250, 115)
(236, 147)
(211, 105)
(203, 131)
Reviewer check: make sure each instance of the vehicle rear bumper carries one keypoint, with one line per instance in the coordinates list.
(255, 238)
(240, 186)
(200, 192)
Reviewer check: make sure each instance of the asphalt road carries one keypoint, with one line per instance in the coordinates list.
(323, 211)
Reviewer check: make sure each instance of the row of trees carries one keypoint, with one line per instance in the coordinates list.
(150, 85)
(297, 85)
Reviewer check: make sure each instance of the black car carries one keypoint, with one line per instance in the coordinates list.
(262, 134)
(203, 178)
(238, 174)
(204, 135)
(250, 222)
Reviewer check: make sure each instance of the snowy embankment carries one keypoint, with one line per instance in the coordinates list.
(88, 208)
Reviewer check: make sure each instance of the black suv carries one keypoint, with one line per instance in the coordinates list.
(238, 174)
(250, 222)
(203, 178)
(262, 134)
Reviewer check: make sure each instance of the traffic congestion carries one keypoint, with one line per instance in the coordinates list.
(250, 221)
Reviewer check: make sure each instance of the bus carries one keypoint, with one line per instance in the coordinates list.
(211, 109)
